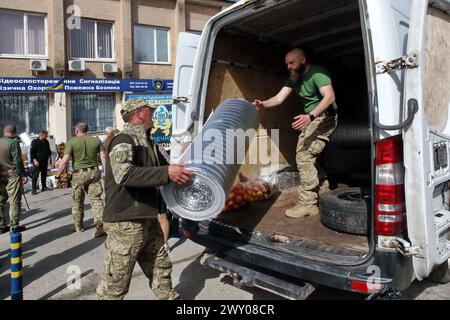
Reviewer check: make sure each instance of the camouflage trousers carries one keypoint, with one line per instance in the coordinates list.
(311, 143)
(130, 242)
(11, 190)
(87, 182)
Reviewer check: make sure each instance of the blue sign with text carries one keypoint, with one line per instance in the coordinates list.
(34, 85)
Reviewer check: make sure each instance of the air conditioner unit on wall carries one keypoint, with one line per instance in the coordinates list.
(110, 68)
(38, 65)
(77, 65)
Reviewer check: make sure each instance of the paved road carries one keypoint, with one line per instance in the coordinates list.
(52, 253)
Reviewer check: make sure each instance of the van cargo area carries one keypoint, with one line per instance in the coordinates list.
(248, 63)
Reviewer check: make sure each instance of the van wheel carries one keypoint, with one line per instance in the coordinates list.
(440, 275)
(345, 210)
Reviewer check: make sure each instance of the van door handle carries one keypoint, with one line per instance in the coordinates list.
(413, 107)
(181, 100)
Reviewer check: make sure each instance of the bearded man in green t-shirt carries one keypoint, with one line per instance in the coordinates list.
(316, 124)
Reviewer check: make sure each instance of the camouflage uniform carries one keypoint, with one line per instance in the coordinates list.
(11, 187)
(312, 140)
(12, 192)
(87, 182)
(130, 242)
(311, 143)
(139, 240)
(86, 178)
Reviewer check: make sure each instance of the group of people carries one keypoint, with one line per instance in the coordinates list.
(134, 215)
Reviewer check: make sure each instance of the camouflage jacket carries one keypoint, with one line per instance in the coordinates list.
(11, 158)
(134, 170)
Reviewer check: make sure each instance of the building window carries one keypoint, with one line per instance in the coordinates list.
(93, 40)
(29, 112)
(95, 109)
(23, 34)
(151, 44)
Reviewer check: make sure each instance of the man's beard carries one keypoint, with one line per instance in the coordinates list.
(301, 69)
(294, 74)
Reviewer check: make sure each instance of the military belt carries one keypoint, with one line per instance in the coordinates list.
(84, 169)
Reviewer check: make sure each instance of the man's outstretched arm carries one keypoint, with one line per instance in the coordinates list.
(274, 101)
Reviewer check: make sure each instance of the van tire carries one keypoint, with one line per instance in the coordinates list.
(345, 210)
(440, 275)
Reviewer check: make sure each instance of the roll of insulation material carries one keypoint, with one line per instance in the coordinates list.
(215, 155)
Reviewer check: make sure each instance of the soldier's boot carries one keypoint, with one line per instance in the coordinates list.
(301, 210)
(173, 295)
(170, 295)
(324, 187)
(77, 228)
(99, 231)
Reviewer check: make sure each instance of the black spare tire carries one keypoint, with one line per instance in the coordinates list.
(345, 210)
(351, 135)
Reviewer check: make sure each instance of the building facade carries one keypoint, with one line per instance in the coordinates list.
(103, 45)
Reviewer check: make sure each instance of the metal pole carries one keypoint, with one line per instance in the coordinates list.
(25, 198)
(16, 266)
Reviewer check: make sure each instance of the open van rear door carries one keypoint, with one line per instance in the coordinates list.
(182, 85)
(427, 138)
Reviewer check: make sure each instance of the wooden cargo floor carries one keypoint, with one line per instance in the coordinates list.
(268, 216)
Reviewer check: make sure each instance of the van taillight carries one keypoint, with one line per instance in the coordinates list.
(389, 187)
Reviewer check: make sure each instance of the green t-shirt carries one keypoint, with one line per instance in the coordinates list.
(308, 85)
(84, 151)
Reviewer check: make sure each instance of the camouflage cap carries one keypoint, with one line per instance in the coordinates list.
(134, 104)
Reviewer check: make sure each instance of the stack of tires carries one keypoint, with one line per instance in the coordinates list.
(348, 154)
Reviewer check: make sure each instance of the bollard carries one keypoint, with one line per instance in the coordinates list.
(16, 266)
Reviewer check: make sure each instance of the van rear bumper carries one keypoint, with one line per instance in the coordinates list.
(357, 278)
(244, 276)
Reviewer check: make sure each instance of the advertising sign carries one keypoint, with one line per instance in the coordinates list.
(44, 85)
(162, 116)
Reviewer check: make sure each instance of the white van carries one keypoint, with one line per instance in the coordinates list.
(387, 220)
